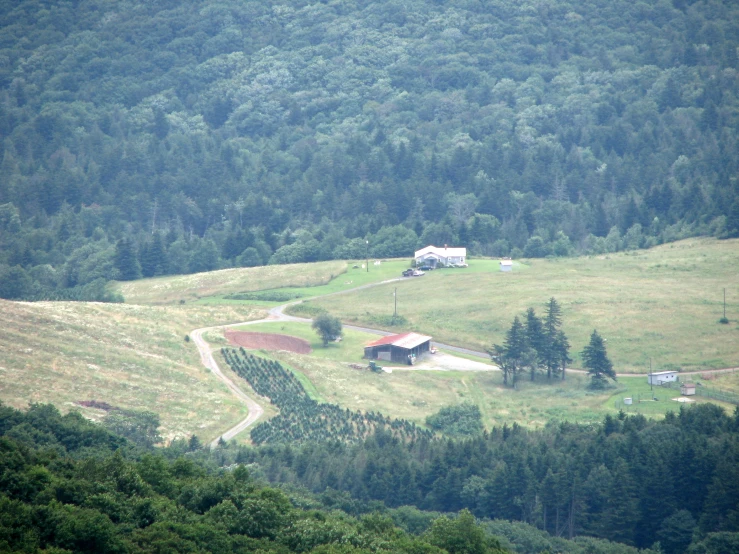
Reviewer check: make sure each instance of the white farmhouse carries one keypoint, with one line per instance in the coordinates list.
(436, 256)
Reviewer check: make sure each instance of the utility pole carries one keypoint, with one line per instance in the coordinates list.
(395, 294)
(366, 252)
(650, 374)
(724, 302)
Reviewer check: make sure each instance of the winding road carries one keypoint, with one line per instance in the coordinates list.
(277, 314)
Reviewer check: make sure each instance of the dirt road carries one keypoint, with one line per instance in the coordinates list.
(206, 356)
(277, 314)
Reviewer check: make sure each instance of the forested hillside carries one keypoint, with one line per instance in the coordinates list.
(629, 480)
(67, 485)
(174, 137)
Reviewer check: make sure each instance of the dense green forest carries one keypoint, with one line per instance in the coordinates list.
(70, 485)
(67, 485)
(141, 139)
(629, 480)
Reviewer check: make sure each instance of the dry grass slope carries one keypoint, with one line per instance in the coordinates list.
(173, 289)
(129, 356)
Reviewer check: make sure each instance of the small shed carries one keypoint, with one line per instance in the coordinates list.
(398, 348)
(661, 377)
(506, 264)
(687, 389)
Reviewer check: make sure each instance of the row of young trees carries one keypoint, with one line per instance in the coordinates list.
(302, 419)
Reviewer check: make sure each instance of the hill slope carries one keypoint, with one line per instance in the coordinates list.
(132, 357)
(241, 133)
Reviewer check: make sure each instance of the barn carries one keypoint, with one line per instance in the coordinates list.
(398, 348)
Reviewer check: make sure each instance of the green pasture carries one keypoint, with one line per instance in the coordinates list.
(663, 303)
(354, 276)
(326, 375)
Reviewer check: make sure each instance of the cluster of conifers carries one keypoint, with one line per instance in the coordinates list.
(303, 419)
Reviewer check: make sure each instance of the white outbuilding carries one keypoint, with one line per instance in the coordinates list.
(661, 377)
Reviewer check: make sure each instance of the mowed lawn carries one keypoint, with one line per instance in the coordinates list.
(132, 357)
(664, 303)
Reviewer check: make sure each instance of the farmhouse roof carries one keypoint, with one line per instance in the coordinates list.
(663, 372)
(506, 262)
(441, 251)
(404, 340)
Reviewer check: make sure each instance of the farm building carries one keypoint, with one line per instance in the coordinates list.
(687, 389)
(506, 264)
(436, 256)
(398, 348)
(661, 377)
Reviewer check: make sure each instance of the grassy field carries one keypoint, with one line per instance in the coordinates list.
(215, 284)
(662, 303)
(414, 395)
(128, 356)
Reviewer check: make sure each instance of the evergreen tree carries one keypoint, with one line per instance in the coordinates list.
(537, 341)
(126, 260)
(595, 360)
(153, 257)
(513, 351)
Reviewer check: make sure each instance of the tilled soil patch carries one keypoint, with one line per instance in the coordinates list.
(268, 341)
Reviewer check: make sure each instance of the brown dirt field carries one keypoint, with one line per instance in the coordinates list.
(268, 341)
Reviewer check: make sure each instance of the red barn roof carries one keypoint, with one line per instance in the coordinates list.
(404, 340)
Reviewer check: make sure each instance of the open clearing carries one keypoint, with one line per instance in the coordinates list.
(662, 303)
(128, 356)
(188, 288)
(442, 379)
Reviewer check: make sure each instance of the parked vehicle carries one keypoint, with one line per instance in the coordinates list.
(426, 268)
(417, 273)
(408, 273)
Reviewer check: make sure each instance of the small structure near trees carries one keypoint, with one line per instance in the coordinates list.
(687, 389)
(661, 377)
(506, 265)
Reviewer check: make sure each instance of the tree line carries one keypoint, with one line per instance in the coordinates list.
(68, 485)
(630, 480)
(185, 137)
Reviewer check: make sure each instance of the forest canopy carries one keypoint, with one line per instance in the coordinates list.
(142, 139)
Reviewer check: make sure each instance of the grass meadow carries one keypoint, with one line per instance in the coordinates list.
(128, 356)
(414, 395)
(215, 284)
(664, 303)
